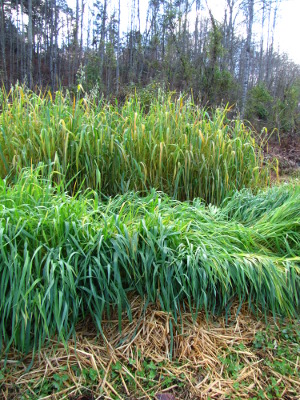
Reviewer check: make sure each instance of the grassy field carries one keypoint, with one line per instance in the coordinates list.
(174, 147)
(102, 203)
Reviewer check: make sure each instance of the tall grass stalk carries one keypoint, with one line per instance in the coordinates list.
(62, 257)
(175, 147)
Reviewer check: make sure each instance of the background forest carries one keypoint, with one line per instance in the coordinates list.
(180, 46)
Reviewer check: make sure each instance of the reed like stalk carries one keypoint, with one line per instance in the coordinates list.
(175, 147)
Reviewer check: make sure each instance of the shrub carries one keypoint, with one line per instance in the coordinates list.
(259, 102)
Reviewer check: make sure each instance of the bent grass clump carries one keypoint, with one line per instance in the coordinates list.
(63, 258)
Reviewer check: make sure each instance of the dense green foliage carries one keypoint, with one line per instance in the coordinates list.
(92, 213)
(280, 113)
(62, 258)
(171, 146)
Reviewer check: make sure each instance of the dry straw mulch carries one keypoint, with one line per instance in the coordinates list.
(197, 367)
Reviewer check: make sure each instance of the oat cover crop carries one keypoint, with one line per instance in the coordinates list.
(171, 145)
(63, 258)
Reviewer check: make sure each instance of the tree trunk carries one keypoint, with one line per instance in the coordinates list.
(30, 45)
(2, 22)
(52, 29)
(22, 44)
(138, 15)
(81, 28)
(261, 72)
(250, 12)
(102, 38)
(118, 51)
(75, 44)
(55, 52)
(271, 48)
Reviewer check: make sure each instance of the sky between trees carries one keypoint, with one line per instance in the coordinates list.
(287, 29)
